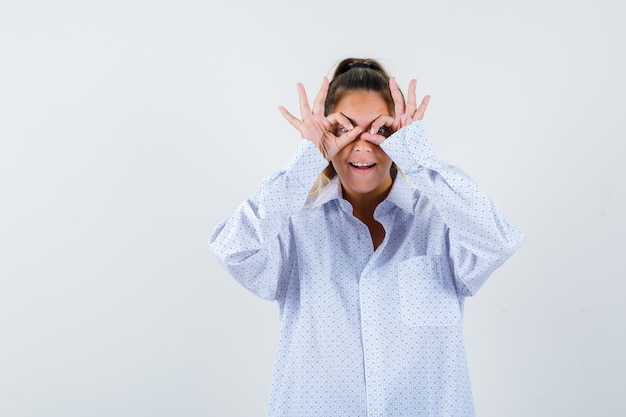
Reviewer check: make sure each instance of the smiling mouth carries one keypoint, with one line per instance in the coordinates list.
(361, 164)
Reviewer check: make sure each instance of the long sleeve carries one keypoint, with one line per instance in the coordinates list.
(480, 237)
(253, 244)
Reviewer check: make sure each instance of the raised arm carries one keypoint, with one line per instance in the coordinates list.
(254, 244)
(480, 237)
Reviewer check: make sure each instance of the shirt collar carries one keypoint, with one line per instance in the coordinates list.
(331, 191)
(400, 195)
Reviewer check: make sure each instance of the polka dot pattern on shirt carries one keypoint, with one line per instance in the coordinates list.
(364, 332)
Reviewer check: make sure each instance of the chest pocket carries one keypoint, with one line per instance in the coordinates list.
(427, 296)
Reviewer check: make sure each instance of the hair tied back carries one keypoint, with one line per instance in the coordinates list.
(360, 65)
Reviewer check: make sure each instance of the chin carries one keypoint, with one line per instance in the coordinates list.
(362, 188)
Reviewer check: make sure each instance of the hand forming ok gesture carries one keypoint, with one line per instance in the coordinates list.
(405, 113)
(321, 129)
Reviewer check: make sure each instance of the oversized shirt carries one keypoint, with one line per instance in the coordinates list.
(368, 332)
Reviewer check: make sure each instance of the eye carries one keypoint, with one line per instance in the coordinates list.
(341, 130)
(384, 131)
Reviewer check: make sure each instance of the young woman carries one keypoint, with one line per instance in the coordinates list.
(369, 261)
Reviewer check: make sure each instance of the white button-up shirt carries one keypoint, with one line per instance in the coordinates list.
(368, 332)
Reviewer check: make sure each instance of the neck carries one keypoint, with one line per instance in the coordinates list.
(364, 205)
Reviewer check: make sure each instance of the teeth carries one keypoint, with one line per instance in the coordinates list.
(360, 164)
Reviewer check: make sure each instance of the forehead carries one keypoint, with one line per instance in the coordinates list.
(362, 105)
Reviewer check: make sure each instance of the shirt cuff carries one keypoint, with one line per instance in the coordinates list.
(409, 147)
(306, 165)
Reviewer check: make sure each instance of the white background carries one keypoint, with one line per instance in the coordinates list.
(130, 129)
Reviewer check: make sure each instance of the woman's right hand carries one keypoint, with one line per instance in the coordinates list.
(328, 133)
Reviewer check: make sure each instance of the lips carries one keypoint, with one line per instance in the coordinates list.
(362, 165)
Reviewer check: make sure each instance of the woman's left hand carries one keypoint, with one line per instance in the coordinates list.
(405, 113)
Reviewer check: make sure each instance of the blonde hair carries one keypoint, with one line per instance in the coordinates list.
(323, 179)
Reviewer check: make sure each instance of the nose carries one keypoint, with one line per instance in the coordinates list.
(361, 145)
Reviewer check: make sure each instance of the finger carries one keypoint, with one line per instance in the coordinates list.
(305, 110)
(380, 122)
(348, 137)
(419, 114)
(411, 100)
(398, 99)
(340, 120)
(375, 139)
(318, 104)
(354, 133)
(380, 130)
(332, 144)
(293, 121)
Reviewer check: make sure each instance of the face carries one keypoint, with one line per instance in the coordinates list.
(363, 167)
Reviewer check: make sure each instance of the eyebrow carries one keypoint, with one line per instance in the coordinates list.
(353, 123)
